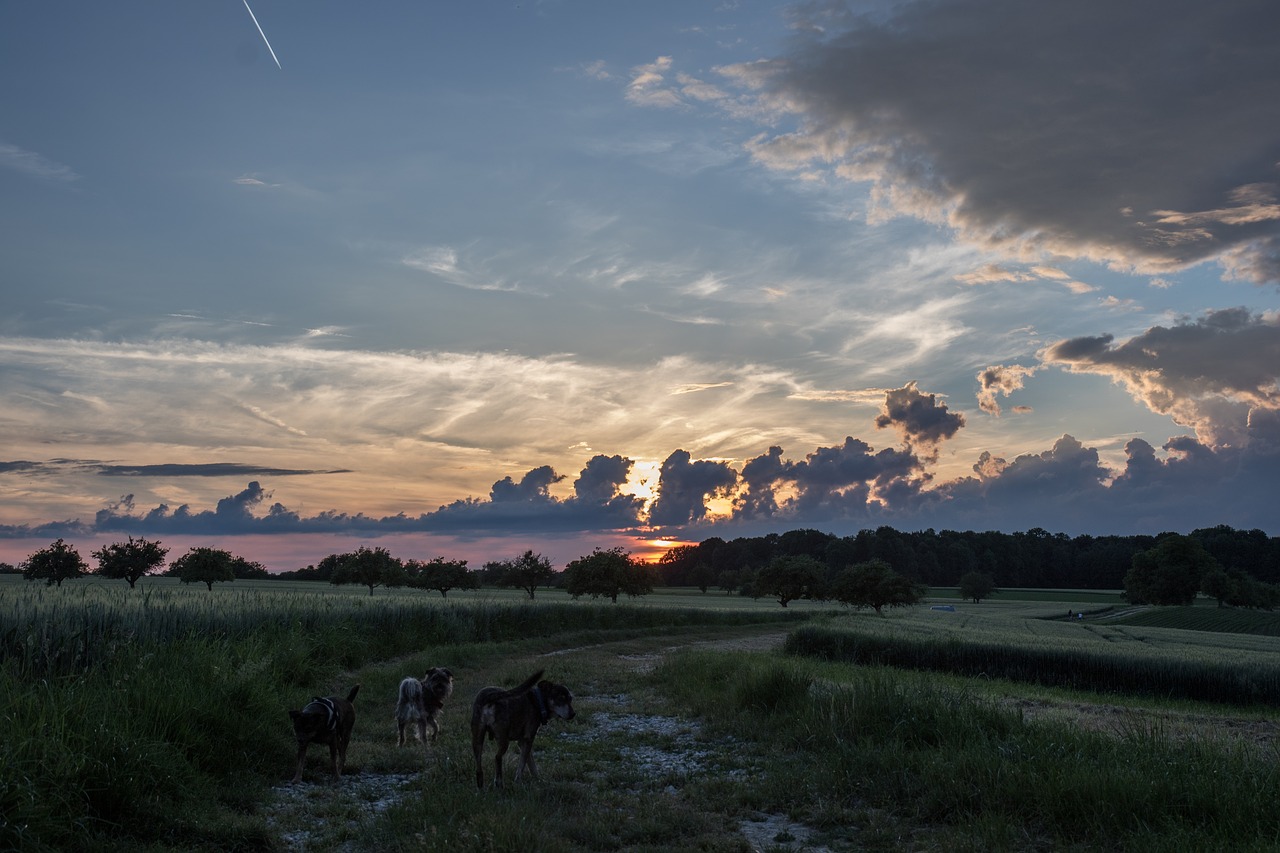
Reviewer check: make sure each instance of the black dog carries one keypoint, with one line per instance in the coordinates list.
(325, 720)
(515, 714)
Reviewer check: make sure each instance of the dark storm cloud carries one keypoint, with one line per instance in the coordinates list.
(919, 418)
(601, 478)
(528, 505)
(837, 481)
(1140, 133)
(17, 465)
(515, 507)
(760, 477)
(534, 486)
(1216, 374)
(684, 486)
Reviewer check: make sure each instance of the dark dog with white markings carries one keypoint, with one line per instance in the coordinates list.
(515, 714)
(325, 720)
(420, 702)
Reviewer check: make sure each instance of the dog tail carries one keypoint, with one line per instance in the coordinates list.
(351, 697)
(527, 684)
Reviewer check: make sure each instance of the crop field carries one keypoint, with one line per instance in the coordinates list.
(155, 719)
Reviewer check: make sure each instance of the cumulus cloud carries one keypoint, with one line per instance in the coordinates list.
(1210, 374)
(685, 485)
(1139, 135)
(919, 418)
(1000, 380)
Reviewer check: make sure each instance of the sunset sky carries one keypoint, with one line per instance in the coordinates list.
(467, 278)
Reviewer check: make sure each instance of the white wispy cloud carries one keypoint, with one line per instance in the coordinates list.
(35, 165)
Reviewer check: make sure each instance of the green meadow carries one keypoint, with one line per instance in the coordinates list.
(155, 719)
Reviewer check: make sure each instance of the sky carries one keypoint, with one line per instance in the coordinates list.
(465, 279)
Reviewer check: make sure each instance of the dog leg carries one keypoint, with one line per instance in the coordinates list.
(497, 763)
(477, 748)
(526, 760)
(302, 760)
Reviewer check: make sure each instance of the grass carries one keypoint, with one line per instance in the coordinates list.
(672, 750)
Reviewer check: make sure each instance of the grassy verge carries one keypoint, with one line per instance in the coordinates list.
(159, 722)
(881, 759)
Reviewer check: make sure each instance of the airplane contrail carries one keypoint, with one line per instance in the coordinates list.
(261, 33)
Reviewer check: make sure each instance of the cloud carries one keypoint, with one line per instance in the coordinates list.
(842, 488)
(1211, 374)
(685, 485)
(210, 469)
(649, 86)
(35, 165)
(919, 418)
(1000, 380)
(444, 263)
(534, 486)
(1129, 134)
(164, 470)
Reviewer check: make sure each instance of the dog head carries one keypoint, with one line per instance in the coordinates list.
(438, 683)
(557, 700)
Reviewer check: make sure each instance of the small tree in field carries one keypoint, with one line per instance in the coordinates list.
(129, 560)
(203, 565)
(876, 585)
(976, 586)
(441, 575)
(369, 567)
(792, 578)
(528, 572)
(607, 573)
(54, 564)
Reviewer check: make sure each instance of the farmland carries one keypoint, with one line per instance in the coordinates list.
(155, 719)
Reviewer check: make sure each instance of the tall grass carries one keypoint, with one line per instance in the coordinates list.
(853, 742)
(1105, 669)
(156, 717)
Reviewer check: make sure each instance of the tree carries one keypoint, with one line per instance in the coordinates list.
(791, 578)
(702, 576)
(528, 572)
(248, 569)
(129, 560)
(203, 565)
(676, 565)
(371, 567)
(441, 574)
(875, 584)
(54, 564)
(607, 573)
(9, 569)
(1169, 573)
(977, 586)
(1217, 584)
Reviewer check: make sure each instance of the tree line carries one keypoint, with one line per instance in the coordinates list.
(873, 568)
(1031, 559)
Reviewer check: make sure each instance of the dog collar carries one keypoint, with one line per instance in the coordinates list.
(542, 704)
